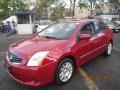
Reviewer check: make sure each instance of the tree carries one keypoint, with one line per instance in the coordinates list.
(18, 6)
(10, 6)
(82, 4)
(86, 4)
(99, 9)
(4, 11)
(92, 5)
(72, 7)
(74, 2)
(115, 5)
(58, 11)
(42, 5)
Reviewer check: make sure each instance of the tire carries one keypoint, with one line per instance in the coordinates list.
(64, 71)
(109, 49)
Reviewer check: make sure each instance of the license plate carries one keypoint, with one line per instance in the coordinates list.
(7, 67)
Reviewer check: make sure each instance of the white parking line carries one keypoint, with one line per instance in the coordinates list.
(90, 84)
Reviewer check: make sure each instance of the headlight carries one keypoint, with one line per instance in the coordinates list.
(37, 58)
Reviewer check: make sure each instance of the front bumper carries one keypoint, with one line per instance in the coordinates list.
(31, 76)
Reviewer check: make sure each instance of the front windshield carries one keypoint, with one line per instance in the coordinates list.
(59, 30)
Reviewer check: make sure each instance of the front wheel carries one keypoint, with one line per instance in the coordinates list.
(109, 49)
(64, 71)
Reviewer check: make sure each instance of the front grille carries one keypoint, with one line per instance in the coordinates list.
(13, 58)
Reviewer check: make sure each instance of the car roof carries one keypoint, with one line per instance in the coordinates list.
(81, 20)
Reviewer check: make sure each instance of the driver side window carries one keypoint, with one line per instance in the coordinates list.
(87, 29)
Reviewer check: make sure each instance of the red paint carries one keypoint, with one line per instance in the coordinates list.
(58, 49)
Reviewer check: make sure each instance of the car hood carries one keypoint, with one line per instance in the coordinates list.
(35, 44)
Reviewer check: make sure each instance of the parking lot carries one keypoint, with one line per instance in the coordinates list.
(101, 73)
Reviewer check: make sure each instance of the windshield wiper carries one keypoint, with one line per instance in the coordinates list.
(49, 37)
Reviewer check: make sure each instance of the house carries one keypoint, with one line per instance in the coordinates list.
(81, 13)
(102, 8)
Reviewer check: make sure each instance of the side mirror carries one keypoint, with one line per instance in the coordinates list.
(84, 36)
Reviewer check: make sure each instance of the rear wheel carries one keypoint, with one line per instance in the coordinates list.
(64, 71)
(109, 49)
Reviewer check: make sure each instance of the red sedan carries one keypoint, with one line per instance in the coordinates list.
(55, 52)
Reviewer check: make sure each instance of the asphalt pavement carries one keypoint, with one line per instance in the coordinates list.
(101, 73)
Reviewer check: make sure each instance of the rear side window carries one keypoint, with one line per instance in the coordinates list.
(99, 26)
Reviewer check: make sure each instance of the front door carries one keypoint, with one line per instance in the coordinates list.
(87, 47)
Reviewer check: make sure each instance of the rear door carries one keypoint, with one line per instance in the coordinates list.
(101, 37)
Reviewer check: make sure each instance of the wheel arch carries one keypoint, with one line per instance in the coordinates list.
(111, 41)
(62, 58)
(71, 57)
